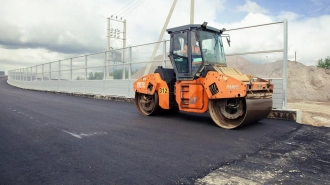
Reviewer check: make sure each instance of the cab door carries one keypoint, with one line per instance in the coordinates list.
(179, 58)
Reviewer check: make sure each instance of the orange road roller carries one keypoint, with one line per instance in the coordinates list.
(200, 81)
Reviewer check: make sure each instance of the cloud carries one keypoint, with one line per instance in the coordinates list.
(53, 26)
(79, 27)
(251, 7)
(41, 31)
(21, 58)
(307, 36)
(290, 16)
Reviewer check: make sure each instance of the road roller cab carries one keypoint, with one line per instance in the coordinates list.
(200, 81)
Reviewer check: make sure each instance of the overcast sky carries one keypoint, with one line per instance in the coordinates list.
(38, 31)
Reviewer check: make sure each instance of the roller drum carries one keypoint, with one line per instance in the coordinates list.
(229, 115)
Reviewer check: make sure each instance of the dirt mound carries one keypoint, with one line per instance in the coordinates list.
(307, 83)
(269, 70)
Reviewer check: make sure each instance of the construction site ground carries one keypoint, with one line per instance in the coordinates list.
(300, 157)
(313, 113)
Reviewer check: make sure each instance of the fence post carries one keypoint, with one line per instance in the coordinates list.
(50, 71)
(285, 61)
(31, 75)
(36, 77)
(85, 73)
(59, 75)
(124, 70)
(130, 63)
(164, 53)
(104, 73)
(105, 66)
(129, 71)
(70, 69)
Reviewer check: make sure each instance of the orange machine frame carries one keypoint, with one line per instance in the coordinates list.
(188, 93)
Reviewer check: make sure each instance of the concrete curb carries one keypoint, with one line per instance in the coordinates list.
(286, 114)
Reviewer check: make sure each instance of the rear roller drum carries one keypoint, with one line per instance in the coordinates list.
(147, 104)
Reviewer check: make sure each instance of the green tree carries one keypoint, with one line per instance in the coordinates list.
(95, 76)
(118, 74)
(324, 63)
(91, 76)
(98, 76)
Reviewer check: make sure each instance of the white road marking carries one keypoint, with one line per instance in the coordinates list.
(84, 134)
(73, 134)
(22, 113)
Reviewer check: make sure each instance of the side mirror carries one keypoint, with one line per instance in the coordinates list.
(227, 38)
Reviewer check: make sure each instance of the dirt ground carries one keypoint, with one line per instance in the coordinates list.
(313, 113)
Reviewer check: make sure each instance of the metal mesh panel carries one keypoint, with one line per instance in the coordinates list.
(96, 60)
(96, 73)
(78, 74)
(65, 64)
(55, 66)
(78, 62)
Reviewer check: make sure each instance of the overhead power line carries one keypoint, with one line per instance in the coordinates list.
(124, 7)
(133, 8)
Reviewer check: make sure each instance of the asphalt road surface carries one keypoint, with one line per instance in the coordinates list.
(48, 138)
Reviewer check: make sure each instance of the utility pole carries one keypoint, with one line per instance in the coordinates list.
(115, 34)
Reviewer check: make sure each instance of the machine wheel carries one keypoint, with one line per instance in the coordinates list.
(147, 104)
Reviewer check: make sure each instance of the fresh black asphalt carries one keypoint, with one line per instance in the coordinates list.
(48, 138)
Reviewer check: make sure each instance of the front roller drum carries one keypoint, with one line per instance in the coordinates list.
(233, 112)
(147, 104)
